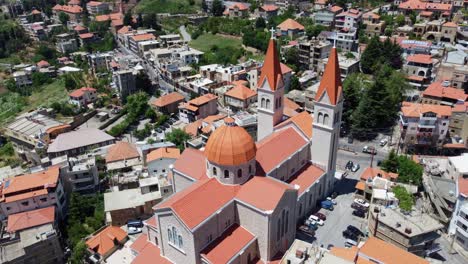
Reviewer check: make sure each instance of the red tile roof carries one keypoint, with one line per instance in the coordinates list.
(201, 100)
(303, 121)
(436, 89)
(420, 58)
(240, 6)
(75, 9)
(192, 163)
(254, 191)
(35, 12)
(150, 254)
(449, 24)
(44, 179)
(241, 92)
(290, 24)
(278, 147)
(140, 243)
(86, 35)
(79, 28)
(143, 37)
(291, 104)
(306, 177)
(463, 186)
(460, 107)
(230, 243)
(152, 222)
(43, 64)
(269, 8)
(192, 128)
(104, 241)
(195, 204)
(122, 151)
(94, 3)
(331, 80)
(415, 78)
(80, 92)
(25, 220)
(426, 13)
(370, 173)
(271, 69)
(168, 99)
(335, 9)
(415, 110)
(285, 68)
(124, 30)
(166, 153)
(419, 5)
(384, 252)
(345, 253)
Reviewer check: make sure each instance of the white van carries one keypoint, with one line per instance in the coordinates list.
(316, 219)
(350, 243)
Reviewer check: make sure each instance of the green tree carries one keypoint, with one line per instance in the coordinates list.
(409, 171)
(64, 18)
(70, 81)
(371, 55)
(78, 253)
(390, 164)
(314, 30)
(291, 57)
(260, 23)
(400, 20)
(217, 8)
(353, 86)
(178, 137)
(143, 82)
(151, 21)
(128, 19)
(295, 84)
(151, 114)
(39, 78)
(405, 198)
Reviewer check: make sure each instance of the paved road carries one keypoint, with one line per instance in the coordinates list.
(185, 35)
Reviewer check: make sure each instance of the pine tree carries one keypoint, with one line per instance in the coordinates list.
(217, 8)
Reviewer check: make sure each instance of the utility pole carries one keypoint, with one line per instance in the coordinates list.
(372, 157)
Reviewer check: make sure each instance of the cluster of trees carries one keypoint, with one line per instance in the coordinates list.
(408, 170)
(45, 52)
(135, 108)
(65, 108)
(86, 215)
(12, 37)
(378, 53)
(226, 55)
(404, 197)
(178, 137)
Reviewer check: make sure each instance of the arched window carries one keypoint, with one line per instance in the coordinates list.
(226, 174)
(287, 222)
(325, 119)
(250, 168)
(279, 100)
(319, 117)
(300, 209)
(169, 235)
(263, 103)
(282, 221)
(278, 229)
(239, 173)
(214, 171)
(181, 243)
(268, 103)
(174, 234)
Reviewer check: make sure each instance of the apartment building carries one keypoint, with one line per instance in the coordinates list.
(100, 61)
(459, 122)
(290, 28)
(236, 10)
(374, 26)
(312, 51)
(441, 93)
(168, 103)
(424, 126)
(125, 82)
(454, 68)
(268, 11)
(32, 191)
(66, 43)
(83, 96)
(419, 69)
(79, 174)
(135, 39)
(240, 97)
(346, 40)
(348, 19)
(74, 12)
(97, 8)
(415, 232)
(326, 17)
(198, 108)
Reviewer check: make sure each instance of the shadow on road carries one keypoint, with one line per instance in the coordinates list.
(345, 186)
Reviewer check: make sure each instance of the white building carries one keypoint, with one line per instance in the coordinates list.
(458, 169)
(83, 96)
(22, 78)
(97, 8)
(159, 161)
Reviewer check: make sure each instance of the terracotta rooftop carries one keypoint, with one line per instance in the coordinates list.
(419, 5)
(86, 35)
(271, 69)
(124, 30)
(163, 153)
(143, 37)
(371, 172)
(254, 191)
(140, 243)
(278, 147)
(335, 9)
(74, 9)
(104, 241)
(269, 8)
(382, 252)
(371, 15)
(460, 107)
(290, 24)
(74, 2)
(168, 99)
(302, 120)
(240, 6)
(201, 100)
(291, 104)
(463, 186)
(230, 145)
(17, 186)
(29, 219)
(230, 243)
(43, 64)
(349, 254)
(450, 24)
(285, 68)
(213, 118)
(306, 177)
(94, 3)
(192, 163)
(188, 106)
(35, 12)
(150, 254)
(113, 16)
(436, 89)
(415, 78)
(415, 110)
(331, 80)
(192, 128)
(79, 28)
(420, 58)
(121, 151)
(152, 222)
(80, 92)
(241, 92)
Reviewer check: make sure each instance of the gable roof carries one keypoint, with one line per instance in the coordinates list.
(81, 91)
(269, 8)
(306, 177)
(302, 120)
(104, 241)
(160, 153)
(254, 191)
(241, 92)
(168, 99)
(45, 179)
(192, 163)
(331, 80)
(415, 110)
(371, 172)
(121, 151)
(150, 254)
(420, 58)
(271, 69)
(384, 252)
(437, 89)
(25, 220)
(290, 24)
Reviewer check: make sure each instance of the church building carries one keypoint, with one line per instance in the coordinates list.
(239, 201)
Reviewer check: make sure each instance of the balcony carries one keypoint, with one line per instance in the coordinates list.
(429, 125)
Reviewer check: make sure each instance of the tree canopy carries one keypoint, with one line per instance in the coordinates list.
(408, 170)
(378, 54)
(405, 198)
(178, 137)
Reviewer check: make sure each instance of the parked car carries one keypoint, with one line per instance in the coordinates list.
(332, 200)
(327, 205)
(383, 142)
(329, 247)
(135, 223)
(358, 207)
(334, 195)
(362, 203)
(349, 165)
(355, 167)
(355, 230)
(369, 149)
(350, 243)
(134, 230)
(159, 130)
(359, 213)
(321, 216)
(350, 235)
(317, 220)
(307, 230)
(311, 224)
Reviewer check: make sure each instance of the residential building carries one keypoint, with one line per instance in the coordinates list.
(236, 9)
(374, 26)
(240, 97)
(122, 155)
(198, 108)
(240, 225)
(409, 46)
(348, 64)
(79, 174)
(348, 19)
(290, 28)
(125, 82)
(32, 191)
(168, 103)
(424, 126)
(105, 241)
(100, 61)
(459, 122)
(372, 181)
(144, 46)
(312, 51)
(170, 40)
(268, 11)
(159, 161)
(441, 93)
(438, 9)
(135, 39)
(346, 40)
(97, 8)
(66, 43)
(79, 142)
(326, 17)
(419, 69)
(454, 68)
(31, 237)
(74, 12)
(83, 96)
(22, 78)
(436, 30)
(415, 232)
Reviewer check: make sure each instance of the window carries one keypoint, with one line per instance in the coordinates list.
(214, 171)
(239, 173)
(319, 117)
(268, 103)
(209, 238)
(181, 243)
(250, 168)
(287, 223)
(278, 228)
(226, 174)
(263, 103)
(43, 199)
(325, 119)
(26, 203)
(169, 235)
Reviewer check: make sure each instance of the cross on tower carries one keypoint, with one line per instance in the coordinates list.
(272, 30)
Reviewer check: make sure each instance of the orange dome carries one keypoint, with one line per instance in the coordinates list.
(230, 145)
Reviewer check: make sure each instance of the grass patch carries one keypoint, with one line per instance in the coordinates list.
(44, 96)
(169, 6)
(10, 105)
(205, 42)
(172, 24)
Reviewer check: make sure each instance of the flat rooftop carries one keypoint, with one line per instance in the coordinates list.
(127, 199)
(460, 162)
(80, 138)
(418, 222)
(31, 125)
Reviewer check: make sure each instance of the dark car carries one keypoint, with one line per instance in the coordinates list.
(330, 246)
(350, 235)
(166, 125)
(349, 165)
(159, 130)
(321, 216)
(350, 140)
(359, 213)
(355, 230)
(358, 207)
